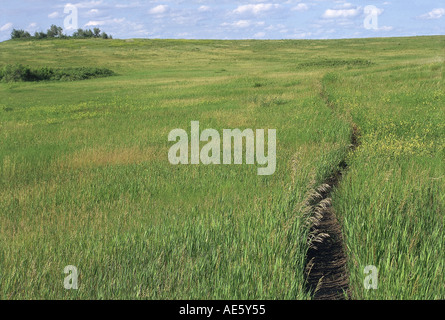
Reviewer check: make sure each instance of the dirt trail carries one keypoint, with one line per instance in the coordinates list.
(326, 272)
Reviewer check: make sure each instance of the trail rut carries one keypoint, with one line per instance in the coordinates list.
(326, 273)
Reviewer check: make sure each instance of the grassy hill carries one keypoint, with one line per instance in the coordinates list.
(85, 178)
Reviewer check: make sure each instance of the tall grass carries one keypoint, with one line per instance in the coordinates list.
(392, 201)
(86, 179)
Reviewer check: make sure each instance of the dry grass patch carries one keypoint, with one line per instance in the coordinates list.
(102, 157)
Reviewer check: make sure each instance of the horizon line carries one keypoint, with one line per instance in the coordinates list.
(232, 39)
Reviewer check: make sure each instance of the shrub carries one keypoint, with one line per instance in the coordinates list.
(17, 72)
(83, 73)
(44, 73)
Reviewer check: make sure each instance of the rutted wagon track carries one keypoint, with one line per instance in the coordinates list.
(326, 273)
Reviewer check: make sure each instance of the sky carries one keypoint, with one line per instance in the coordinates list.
(229, 19)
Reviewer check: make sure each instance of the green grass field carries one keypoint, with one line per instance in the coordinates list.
(85, 178)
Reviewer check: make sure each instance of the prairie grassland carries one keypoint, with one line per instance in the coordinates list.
(85, 178)
(392, 202)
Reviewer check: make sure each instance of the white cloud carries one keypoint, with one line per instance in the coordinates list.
(259, 35)
(238, 24)
(243, 24)
(54, 15)
(6, 27)
(204, 8)
(255, 8)
(434, 14)
(275, 27)
(345, 5)
(341, 13)
(386, 28)
(93, 12)
(160, 9)
(95, 23)
(300, 7)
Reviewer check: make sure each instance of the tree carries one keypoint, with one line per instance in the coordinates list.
(40, 35)
(55, 32)
(15, 34)
(79, 33)
(20, 34)
(89, 33)
(96, 32)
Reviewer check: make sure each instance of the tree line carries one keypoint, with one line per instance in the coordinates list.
(57, 32)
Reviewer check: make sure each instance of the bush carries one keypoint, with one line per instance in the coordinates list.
(17, 73)
(20, 34)
(83, 73)
(44, 73)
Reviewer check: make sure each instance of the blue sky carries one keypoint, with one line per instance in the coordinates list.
(229, 19)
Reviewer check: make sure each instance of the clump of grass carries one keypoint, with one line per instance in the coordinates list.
(337, 63)
(20, 73)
